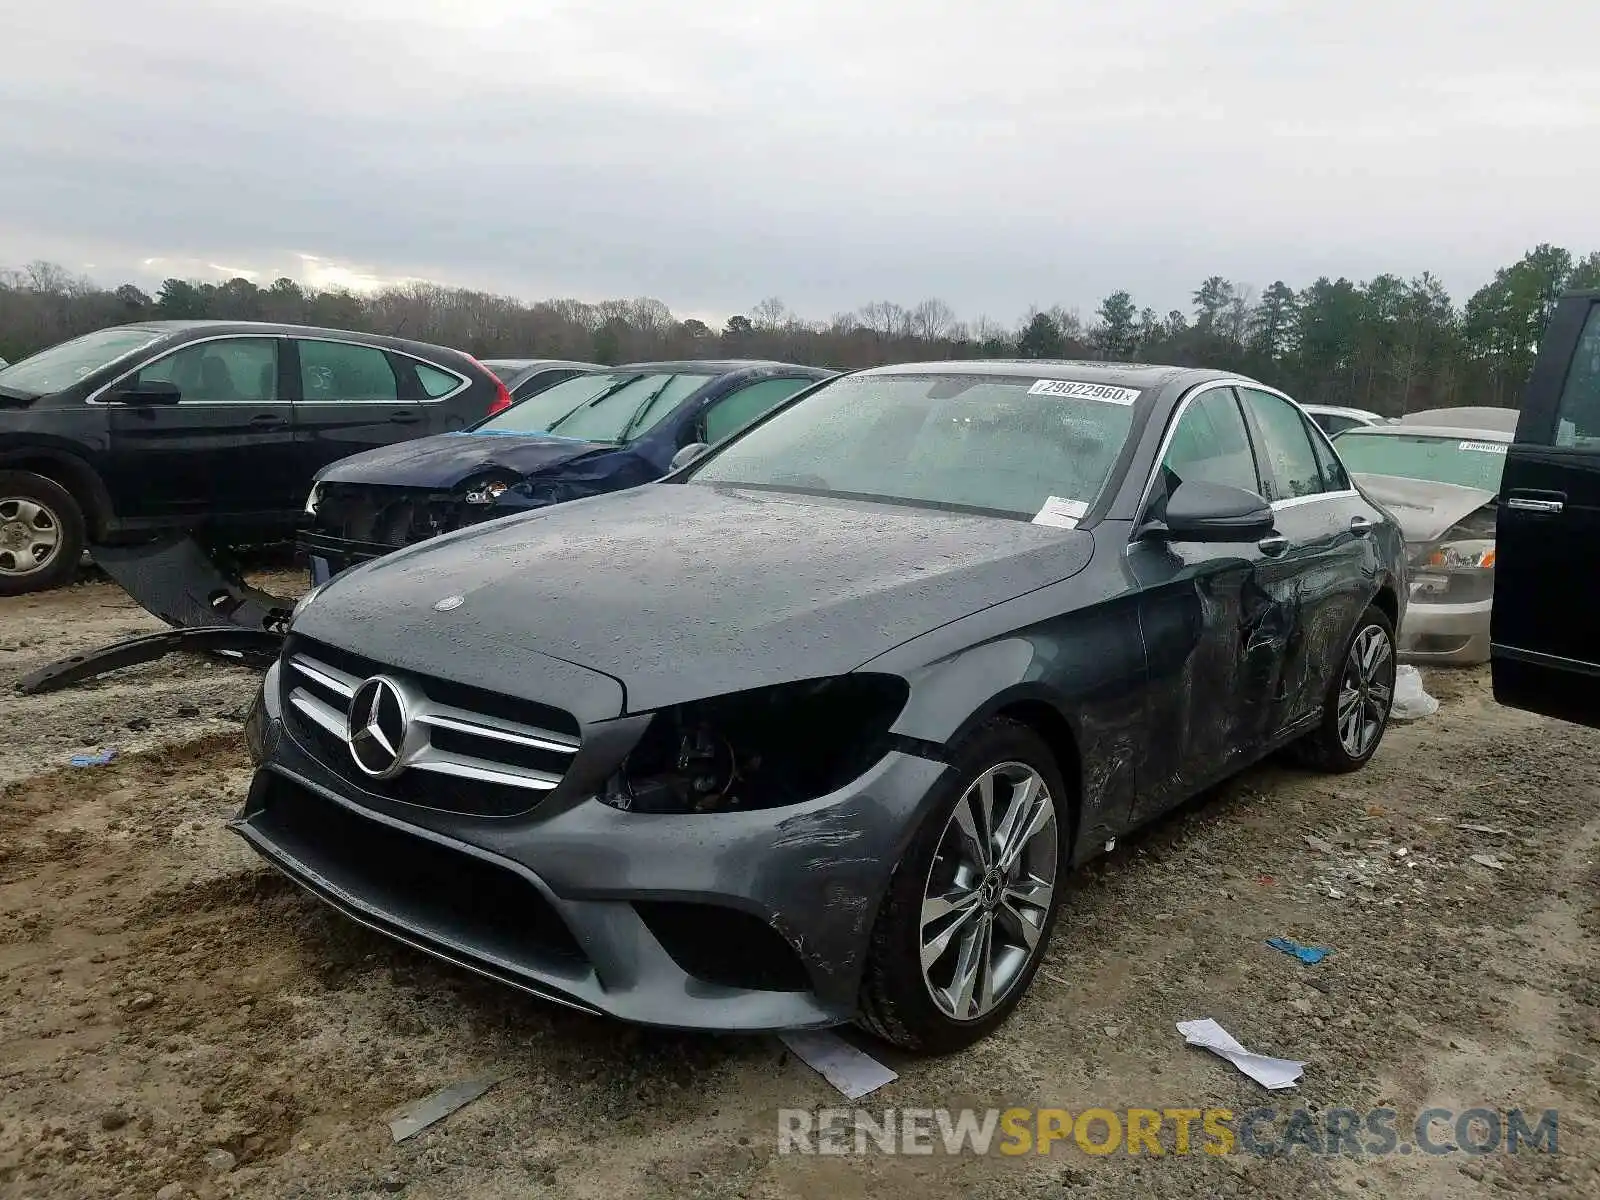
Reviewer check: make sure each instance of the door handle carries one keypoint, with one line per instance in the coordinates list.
(1360, 526)
(1273, 545)
(404, 418)
(1550, 502)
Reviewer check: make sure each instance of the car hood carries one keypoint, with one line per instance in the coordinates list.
(687, 591)
(1424, 509)
(447, 459)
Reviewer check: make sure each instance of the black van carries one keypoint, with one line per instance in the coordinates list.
(1544, 638)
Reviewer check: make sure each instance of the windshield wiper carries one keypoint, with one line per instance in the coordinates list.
(592, 401)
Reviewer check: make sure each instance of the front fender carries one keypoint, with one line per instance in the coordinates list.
(1077, 675)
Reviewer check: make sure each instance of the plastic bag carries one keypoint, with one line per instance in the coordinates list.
(1411, 701)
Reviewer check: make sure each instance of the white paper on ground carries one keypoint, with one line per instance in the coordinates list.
(1060, 513)
(1274, 1073)
(852, 1071)
(414, 1118)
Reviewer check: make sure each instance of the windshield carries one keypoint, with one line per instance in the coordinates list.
(622, 413)
(1439, 459)
(535, 414)
(61, 366)
(992, 443)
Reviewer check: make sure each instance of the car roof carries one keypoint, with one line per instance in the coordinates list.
(528, 364)
(1133, 375)
(715, 366)
(1457, 432)
(280, 329)
(1340, 410)
(1465, 418)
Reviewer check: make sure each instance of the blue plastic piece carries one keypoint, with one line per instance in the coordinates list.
(1309, 955)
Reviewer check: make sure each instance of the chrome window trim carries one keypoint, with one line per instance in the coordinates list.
(1211, 385)
(94, 396)
(465, 382)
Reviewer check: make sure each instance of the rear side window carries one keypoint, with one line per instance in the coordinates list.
(1578, 416)
(341, 371)
(1211, 444)
(732, 413)
(1289, 468)
(435, 383)
(229, 369)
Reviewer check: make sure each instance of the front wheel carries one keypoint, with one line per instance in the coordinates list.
(1356, 710)
(41, 533)
(970, 908)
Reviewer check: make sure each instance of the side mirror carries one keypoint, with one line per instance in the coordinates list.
(687, 455)
(152, 391)
(1215, 512)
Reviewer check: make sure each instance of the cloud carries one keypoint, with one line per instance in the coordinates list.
(997, 156)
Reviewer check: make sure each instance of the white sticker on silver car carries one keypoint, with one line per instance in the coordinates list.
(1104, 392)
(1484, 447)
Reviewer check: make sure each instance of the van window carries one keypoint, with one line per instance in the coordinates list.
(1578, 416)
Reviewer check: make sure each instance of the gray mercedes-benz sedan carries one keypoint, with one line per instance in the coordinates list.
(813, 729)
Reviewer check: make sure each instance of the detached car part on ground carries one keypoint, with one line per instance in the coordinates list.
(600, 432)
(1440, 478)
(159, 446)
(814, 729)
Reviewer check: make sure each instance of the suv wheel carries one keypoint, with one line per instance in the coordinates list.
(41, 533)
(969, 911)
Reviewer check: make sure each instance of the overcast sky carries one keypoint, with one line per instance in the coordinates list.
(994, 153)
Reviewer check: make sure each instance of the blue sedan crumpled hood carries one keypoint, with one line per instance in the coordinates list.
(447, 459)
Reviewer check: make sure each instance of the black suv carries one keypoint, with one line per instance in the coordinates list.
(1544, 643)
(210, 426)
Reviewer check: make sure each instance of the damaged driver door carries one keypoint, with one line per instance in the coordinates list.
(1204, 614)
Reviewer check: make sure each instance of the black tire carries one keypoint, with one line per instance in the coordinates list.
(896, 1003)
(1323, 749)
(24, 488)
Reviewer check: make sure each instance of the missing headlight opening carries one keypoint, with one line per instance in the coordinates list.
(761, 749)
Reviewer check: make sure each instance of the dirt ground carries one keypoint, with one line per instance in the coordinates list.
(175, 1020)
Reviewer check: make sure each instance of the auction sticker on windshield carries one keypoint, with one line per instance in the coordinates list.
(1484, 447)
(1061, 513)
(1104, 392)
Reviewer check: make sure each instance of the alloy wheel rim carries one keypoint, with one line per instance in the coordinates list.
(1366, 691)
(988, 891)
(30, 536)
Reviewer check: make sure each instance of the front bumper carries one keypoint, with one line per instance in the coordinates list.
(623, 914)
(1446, 634)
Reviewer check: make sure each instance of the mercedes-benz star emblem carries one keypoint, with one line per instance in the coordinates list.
(449, 603)
(376, 728)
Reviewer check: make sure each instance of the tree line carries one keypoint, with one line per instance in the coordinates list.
(1388, 344)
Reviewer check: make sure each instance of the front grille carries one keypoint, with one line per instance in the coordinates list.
(392, 516)
(466, 750)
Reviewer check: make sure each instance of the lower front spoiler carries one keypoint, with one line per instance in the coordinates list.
(642, 983)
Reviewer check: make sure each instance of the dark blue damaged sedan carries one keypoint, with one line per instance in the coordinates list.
(598, 432)
(814, 729)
